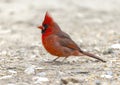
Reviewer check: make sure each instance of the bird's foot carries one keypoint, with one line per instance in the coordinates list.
(55, 59)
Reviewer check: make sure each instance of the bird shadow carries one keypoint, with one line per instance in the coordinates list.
(57, 62)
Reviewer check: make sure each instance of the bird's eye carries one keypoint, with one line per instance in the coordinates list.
(45, 26)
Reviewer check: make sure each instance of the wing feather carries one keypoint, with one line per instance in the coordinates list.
(66, 41)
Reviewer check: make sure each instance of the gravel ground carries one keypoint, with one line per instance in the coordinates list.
(24, 61)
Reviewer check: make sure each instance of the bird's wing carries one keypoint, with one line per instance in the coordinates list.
(66, 41)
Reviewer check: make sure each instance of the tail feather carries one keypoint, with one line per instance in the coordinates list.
(92, 55)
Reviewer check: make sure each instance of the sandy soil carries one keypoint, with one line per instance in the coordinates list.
(93, 24)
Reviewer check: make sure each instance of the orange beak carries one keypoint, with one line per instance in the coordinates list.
(40, 27)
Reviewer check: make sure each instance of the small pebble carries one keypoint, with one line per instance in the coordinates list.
(10, 84)
(30, 70)
(41, 74)
(38, 80)
(115, 46)
(107, 75)
(32, 57)
(108, 51)
(5, 32)
(12, 71)
(112, 49)
(68, 80)
(2, 43)
(4, 52)
(6, 77)
(80, 15)
(98, 82)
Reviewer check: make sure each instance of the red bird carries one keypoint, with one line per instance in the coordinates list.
(58, 43)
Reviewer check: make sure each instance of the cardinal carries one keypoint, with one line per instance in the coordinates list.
(59, 43)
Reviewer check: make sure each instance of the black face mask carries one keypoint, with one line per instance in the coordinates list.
(45, 28)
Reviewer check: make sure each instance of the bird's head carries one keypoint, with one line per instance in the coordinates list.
(47, 23)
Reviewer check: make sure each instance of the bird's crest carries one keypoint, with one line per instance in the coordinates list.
(48, 19)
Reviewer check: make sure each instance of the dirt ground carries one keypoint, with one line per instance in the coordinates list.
(93, 24)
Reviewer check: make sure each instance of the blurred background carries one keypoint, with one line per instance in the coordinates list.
(93, 24)
(83, 18)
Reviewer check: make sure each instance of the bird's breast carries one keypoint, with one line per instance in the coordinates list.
(50, 45)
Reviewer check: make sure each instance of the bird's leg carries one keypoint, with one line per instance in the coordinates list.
(64, 59)
(55, 59)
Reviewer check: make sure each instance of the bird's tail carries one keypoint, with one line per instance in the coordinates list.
(92, 55)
